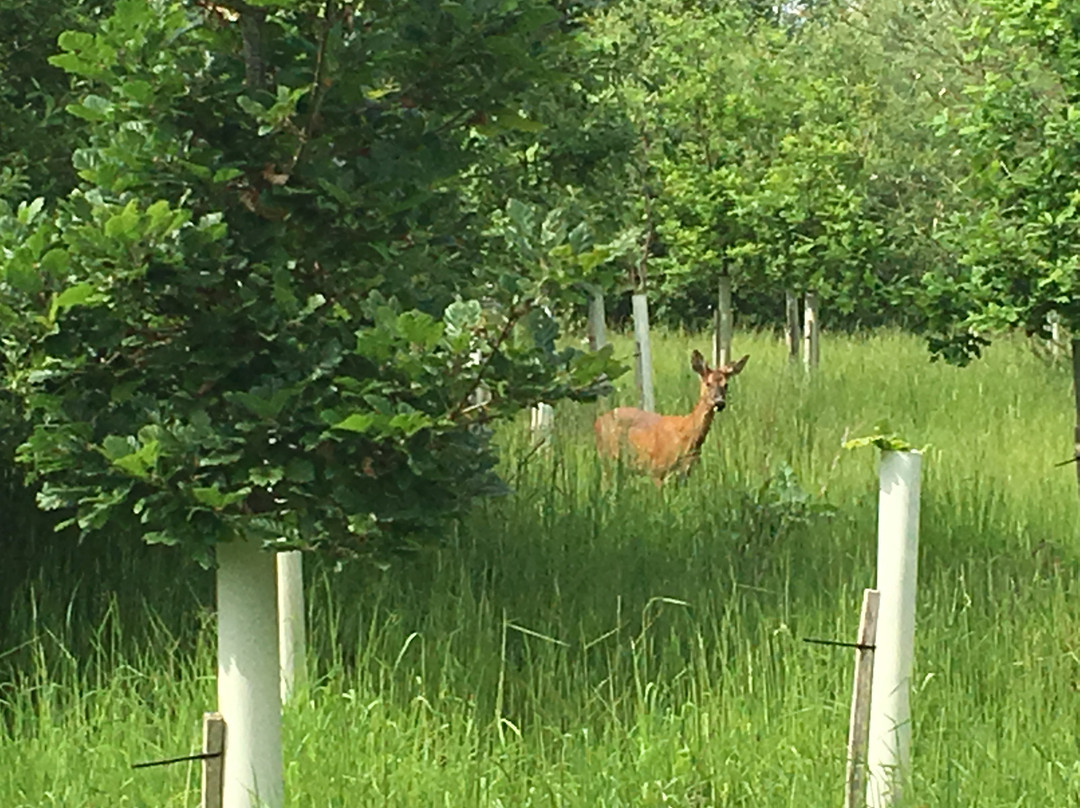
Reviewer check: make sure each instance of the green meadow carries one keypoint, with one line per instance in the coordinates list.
(603, 643)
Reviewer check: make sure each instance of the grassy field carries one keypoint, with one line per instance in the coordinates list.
(581, 645)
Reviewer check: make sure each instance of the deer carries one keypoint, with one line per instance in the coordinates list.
(661, 444)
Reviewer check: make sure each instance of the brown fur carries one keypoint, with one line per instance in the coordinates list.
(661, 444)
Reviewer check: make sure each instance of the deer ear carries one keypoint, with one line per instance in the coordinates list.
(737, 367)
(697, 363)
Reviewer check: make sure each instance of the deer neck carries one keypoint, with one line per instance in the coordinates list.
(698, 422)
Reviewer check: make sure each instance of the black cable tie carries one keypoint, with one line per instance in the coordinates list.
(839, 643)
(184, 759)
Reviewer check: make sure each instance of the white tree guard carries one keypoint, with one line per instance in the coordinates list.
(643, 352)
(292, 633)
(597, 329)
(889, 752)
(248, 687)
(542, 421)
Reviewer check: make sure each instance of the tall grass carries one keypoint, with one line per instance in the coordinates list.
(590, 644)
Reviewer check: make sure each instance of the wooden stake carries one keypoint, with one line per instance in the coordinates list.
(724, 323)
(859, 725)
(811, 331)
(1076, 398)
(792, 331)
(213, 768)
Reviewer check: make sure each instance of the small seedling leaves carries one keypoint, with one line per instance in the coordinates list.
(883, 438)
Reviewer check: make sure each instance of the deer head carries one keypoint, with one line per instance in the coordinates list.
(714, 381)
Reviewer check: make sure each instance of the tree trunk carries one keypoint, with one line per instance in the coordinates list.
(597, 331)
(811, 332)
(643, 353)
(724, 323)
(249, 697)
(292, 634)
(1076, 399)
(792, 332)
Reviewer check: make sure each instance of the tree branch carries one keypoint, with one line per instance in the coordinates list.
(252, 20)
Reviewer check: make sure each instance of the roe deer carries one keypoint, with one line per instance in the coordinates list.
(661, 444)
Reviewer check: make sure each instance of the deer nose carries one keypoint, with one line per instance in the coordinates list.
(719, 405)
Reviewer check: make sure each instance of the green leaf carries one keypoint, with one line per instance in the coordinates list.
(216, 498)
(462, 316)
(226, 174)
(124, 223)
(93, 108)
(266, 476)
(299, 470)
(28, 211)
(138, 90)
(251, 107)
(81, 294)
(410, 422)
(419, 328)
(357, 422)
(55, 261)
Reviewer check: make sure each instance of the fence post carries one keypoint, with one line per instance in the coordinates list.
(213, 768)
(889, 752)
(859, 725)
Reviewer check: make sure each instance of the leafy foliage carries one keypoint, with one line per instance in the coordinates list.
(1017, 122)
(261, 312)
